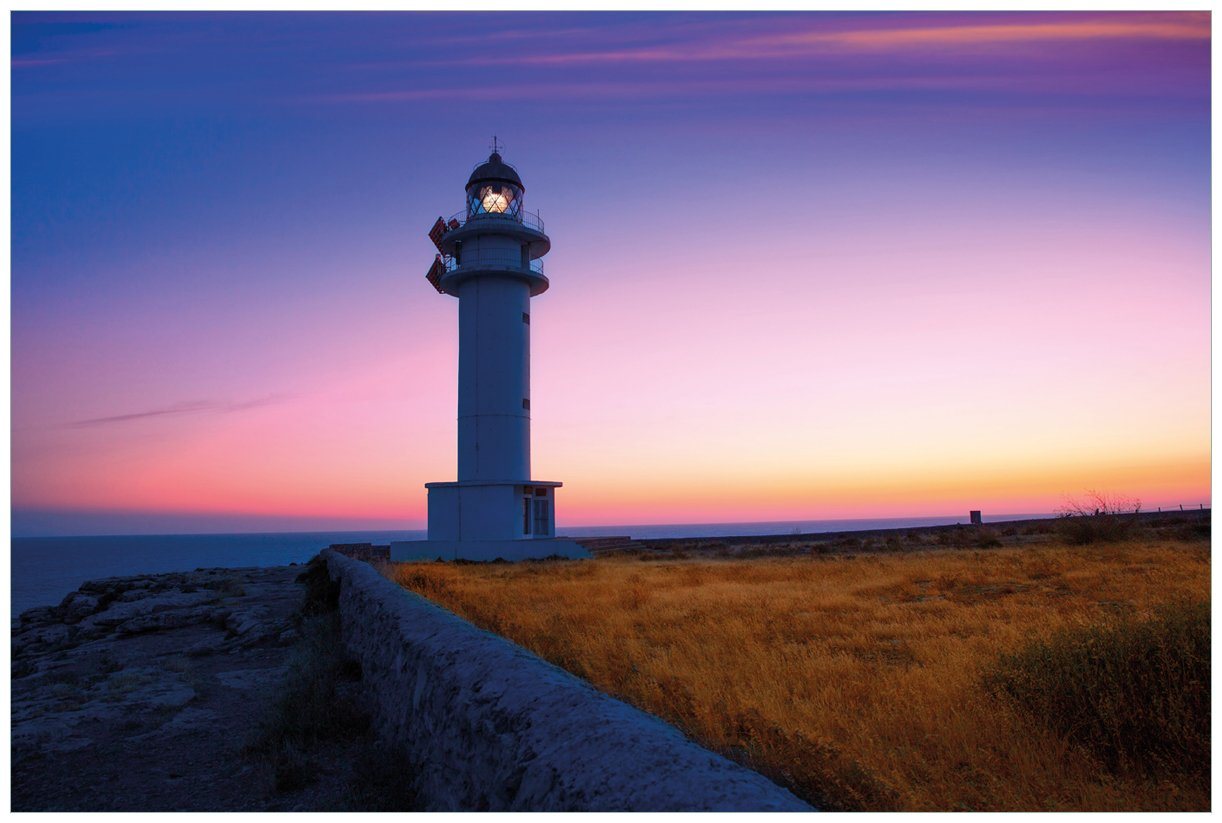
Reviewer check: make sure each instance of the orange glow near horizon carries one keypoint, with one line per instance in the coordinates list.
(598, 501)
(358, 471)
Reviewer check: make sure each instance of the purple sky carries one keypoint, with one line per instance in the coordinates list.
(805, 265)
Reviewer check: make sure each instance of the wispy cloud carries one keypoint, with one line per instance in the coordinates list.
(178, 410)
(692, 89)
(512, 35)
(790, 43)
(36, 60)
(1190, 27)
(32, 62)
(523, 91)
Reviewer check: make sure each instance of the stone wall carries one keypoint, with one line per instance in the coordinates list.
(362, 551)
(486, 725)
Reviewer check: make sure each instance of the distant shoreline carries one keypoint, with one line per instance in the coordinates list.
(1042, 523)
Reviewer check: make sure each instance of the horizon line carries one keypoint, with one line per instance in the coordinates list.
(992, 520)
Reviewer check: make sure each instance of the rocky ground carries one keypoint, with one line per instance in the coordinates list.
(161, 693)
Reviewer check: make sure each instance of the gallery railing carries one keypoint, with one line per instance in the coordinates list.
(471, 262)
(529, 219)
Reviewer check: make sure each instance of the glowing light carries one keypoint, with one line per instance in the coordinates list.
(496, 199)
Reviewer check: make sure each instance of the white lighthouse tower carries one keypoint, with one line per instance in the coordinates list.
(489, 258)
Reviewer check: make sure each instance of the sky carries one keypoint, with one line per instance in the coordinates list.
(805, 265)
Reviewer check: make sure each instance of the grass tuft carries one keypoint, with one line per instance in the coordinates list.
(1136, 693)
(313, 707)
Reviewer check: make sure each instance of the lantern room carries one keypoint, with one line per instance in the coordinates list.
(494, 189)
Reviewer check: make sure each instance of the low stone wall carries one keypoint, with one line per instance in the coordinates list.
(362, 551)
(486, 725)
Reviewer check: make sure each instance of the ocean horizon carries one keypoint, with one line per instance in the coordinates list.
(46, 569)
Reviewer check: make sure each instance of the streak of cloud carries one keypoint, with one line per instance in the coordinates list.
(788, 44)
(949, 36)
(177, 410)
(30, 61)
(550, 91)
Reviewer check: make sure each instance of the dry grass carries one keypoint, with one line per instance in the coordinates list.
(857, 681)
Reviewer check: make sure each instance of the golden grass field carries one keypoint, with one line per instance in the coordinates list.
(857, 681)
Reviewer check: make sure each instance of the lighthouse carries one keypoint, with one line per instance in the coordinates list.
(489, 257)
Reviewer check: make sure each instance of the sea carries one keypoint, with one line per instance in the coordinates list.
(46, 569)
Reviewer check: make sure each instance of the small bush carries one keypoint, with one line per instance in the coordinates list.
(311, 708)
(1192, 531)
(1098, 518)
(1135, 693)
(986, 538)
(848, 544)
(291, 768)
(322, 593)
(1082, 530)
(315, 705)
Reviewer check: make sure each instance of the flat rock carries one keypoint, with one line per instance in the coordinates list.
(122, 611)
(115, 707)
(167, 619)
(78, 606)
(190, 719)
(251, 678)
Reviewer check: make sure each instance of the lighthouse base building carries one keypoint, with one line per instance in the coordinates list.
(487, 520)
(489, 258)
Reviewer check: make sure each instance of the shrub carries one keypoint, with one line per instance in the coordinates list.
(1098, 518)
(848, 544)
(1082, 530)
(321, 592)
(986, 538)
(1198, 530)
(313, 706)
(1135, 693)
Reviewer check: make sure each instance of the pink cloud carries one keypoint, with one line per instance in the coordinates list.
(1186, 26)
(1190, 27)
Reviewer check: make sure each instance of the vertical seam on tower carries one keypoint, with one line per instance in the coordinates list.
(479, 306)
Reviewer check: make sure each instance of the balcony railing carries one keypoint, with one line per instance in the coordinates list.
(471, 262)
(529, 219)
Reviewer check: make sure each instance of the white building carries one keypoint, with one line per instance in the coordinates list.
(490, 259)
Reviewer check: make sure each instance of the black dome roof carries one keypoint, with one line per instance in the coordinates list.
(495, 170)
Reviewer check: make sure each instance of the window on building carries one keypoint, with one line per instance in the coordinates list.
(542, 526)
